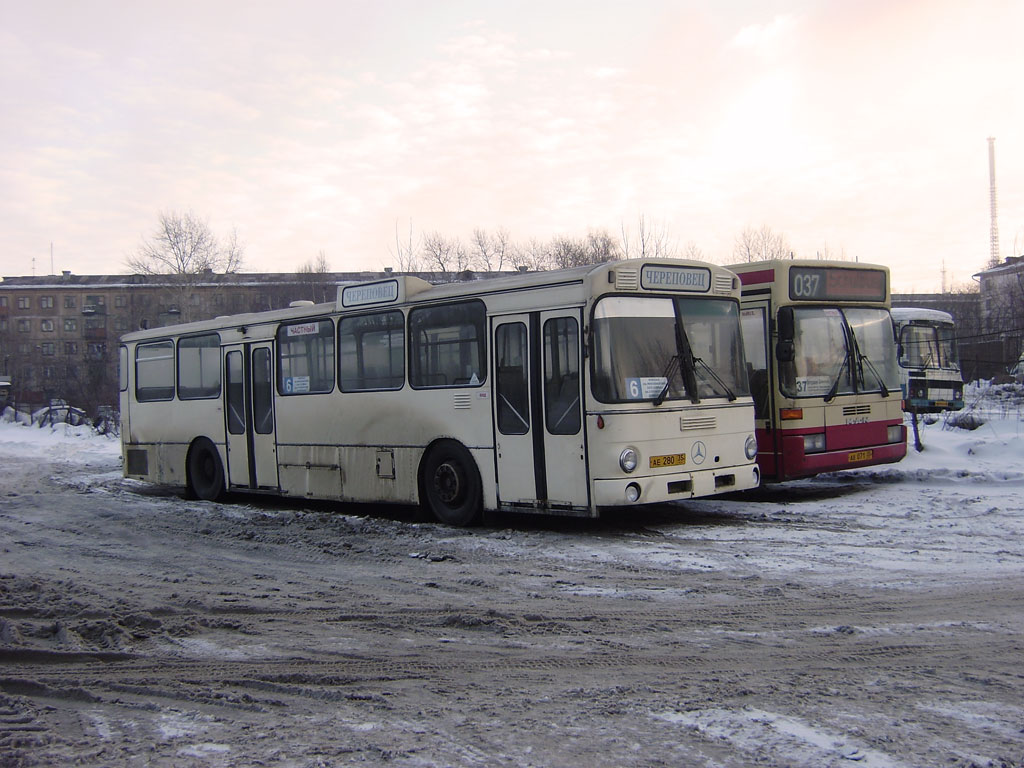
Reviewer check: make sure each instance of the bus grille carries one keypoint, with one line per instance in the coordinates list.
(723, 285)
(696, 422)
(627, 279)
(461, 401)
(856, 410)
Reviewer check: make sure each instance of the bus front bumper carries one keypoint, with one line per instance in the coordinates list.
(655, 489)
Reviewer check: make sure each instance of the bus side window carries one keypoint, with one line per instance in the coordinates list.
(154, 371)
(755, 347)
(446, 345)
(235, 393)
(305, 357)
(562, 376)
(513, 390)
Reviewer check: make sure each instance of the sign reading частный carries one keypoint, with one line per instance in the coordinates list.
(695, 279)
(371, 293)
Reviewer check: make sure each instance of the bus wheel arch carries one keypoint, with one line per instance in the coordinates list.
(204, 471)
(450, 484)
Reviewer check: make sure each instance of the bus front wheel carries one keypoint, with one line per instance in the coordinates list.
(451, 484)
(205, 472)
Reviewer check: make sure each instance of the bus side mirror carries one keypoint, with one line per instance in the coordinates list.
(785, 350)
(787, 325)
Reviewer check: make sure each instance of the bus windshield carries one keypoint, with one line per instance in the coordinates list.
(641, 354)
(841, 351)
(927, 346)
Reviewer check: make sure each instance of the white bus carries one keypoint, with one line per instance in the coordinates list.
(556, 392)
(929, 366)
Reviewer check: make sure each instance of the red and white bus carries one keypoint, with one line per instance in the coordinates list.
(822, 362)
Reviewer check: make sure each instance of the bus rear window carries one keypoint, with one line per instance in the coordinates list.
(305, 357)
(447, 345)
(154, 371)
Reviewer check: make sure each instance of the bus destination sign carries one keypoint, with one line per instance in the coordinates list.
(369, 293)
(692, 279)
(836, 284)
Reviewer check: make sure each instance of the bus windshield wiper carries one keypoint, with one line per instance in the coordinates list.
(831, 395)
(670, 370)
(728, 392)
(683, 363)
(871, 367)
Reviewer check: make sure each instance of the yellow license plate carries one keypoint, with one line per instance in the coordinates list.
(860, 455)
(671, 460)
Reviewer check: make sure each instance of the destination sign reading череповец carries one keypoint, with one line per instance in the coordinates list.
(371, 293)
(694, 279)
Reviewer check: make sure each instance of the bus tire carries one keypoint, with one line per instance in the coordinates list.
(451, 484)
(205, 472)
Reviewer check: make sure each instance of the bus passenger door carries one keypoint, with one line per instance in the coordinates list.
(538, 411)
(249, 408)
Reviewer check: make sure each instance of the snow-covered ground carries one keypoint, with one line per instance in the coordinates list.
(872, 617)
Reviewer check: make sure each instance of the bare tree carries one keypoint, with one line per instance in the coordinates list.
(406, 253)
(491, 252)
(693, 252)
(315, 274)
(444, 254)
(601, 247)
(185, 245)
(649, 240)
(185, 250)
(760, 245)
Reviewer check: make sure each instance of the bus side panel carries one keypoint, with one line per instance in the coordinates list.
(162, 431)
(368, 446)
(767, 458)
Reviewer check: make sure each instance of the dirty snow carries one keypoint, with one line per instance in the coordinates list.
(870, 618)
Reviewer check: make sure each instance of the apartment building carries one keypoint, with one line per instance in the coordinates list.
(59, 333)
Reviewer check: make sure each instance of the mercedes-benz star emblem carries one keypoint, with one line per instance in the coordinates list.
(698, 453)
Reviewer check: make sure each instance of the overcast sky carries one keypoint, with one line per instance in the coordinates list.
(856, 127)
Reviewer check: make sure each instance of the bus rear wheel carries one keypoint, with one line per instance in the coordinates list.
(451, 484)
(205, 472)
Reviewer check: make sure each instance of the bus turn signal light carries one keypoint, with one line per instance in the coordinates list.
(789, 414)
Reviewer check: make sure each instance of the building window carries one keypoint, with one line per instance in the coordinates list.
(97, 351)
(70, 324)
(23, 348)
(69, 302)
(46, 302)
(24, 325)
(24, 302)
(49, 372)
(120, 301)
(120, 323)
(3, 301)
(3, 323)
(48, 348)
(70, 347)
(46, 326)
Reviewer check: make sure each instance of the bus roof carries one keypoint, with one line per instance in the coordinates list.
(908, 314)
(393, 290)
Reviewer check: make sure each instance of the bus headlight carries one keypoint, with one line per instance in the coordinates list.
(814, 443)
(628, 460)
(750, 447)
(894, 433)
(632, 492)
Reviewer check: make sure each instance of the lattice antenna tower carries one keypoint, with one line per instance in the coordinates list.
(993, 236)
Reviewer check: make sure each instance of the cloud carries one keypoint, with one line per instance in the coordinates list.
(765, 36)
